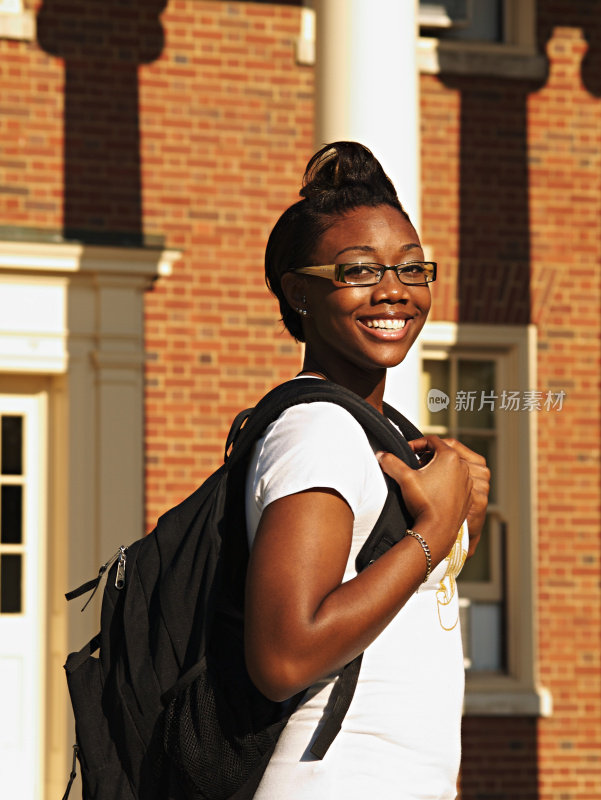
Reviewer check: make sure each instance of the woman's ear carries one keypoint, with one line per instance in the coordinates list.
(293, 288)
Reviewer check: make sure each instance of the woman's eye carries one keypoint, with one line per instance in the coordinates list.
(357, 270)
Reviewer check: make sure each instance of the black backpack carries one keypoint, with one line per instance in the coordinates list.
(167, 711)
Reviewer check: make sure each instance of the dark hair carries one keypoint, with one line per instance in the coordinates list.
(340, 177)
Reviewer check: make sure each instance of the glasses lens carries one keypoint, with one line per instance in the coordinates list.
(418, 272)
(361, 274)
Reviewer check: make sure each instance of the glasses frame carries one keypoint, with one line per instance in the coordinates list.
(335, 272)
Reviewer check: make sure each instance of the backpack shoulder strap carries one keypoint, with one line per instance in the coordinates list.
(311, 390)
(406, 427)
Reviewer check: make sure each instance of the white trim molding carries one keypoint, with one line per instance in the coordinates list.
(44, 288)
(517, 691)
(16, 22)
(492, 59)
(72, 315)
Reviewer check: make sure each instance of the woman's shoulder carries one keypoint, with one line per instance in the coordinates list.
(314, 438)
(319, 421)
(310, 445)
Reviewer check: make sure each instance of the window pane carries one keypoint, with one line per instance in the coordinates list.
(486, 637)
(477, 568)
(11, 515)
(11, 436)
(436, 381)
(475, 399)
(10, 584)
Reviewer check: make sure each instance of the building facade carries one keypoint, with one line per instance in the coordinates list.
(147, 147)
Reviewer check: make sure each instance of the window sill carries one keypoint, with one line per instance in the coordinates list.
(437, 57)
(503, 697)
(18, 26)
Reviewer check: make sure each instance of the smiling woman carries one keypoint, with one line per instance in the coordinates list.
(348, 269)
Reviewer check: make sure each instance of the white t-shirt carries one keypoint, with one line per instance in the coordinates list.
(401, 736)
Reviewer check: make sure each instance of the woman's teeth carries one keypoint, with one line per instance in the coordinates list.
(388, 324)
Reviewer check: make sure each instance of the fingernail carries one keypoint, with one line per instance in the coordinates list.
(380, 455)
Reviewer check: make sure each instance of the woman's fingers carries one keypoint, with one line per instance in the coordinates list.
(439, 494)
(480, 475)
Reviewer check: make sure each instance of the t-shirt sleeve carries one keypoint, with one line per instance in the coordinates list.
(312, 445)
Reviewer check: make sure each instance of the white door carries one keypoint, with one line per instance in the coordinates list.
(22, 591)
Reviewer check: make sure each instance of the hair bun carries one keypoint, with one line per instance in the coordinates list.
(344, 174)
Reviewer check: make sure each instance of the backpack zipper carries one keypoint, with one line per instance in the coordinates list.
(120, 576)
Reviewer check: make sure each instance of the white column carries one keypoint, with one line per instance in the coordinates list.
(367, 90)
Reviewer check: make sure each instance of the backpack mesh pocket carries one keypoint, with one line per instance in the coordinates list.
(218, 731)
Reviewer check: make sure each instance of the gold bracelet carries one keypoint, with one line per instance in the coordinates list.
(426, 550)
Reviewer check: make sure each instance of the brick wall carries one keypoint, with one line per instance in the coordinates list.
(226, 120)
(565, 184)
(31, 136)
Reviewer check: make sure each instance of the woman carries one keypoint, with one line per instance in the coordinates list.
(315, 489)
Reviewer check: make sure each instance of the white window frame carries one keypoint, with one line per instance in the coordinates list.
(515, 57)
(518, 690)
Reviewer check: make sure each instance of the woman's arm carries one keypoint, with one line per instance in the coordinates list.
(301, 622)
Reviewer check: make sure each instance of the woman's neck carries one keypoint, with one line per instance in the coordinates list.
(369, 386)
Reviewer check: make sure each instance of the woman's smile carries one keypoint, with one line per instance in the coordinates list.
(390, 327)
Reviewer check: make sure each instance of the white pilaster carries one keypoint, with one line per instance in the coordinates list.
(367, 90)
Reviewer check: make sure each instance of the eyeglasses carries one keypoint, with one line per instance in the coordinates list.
(411, 273)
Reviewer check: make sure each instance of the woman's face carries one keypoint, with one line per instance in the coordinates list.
(345, 325)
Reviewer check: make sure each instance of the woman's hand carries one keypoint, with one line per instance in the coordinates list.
(480, 475)
(438, 496)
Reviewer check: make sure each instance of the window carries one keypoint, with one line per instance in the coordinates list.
(12, 486)
(470, 382)
(483, 37)
(478, 386)
(22, 588)
(463, 19)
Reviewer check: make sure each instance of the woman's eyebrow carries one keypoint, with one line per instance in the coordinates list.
(365, 248)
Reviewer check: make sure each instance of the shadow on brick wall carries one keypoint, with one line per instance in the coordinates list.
(102, 45)
(494, 238)
(500, 759)
(494, 224)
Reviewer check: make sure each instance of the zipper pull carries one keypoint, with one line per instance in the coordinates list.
(120, 576)
(92, 586)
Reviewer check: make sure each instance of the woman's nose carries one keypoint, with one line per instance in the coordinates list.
(390, 287)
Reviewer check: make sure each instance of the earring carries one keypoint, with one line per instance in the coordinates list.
(302, 310)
